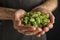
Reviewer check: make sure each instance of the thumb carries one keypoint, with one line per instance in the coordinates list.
(20, 13)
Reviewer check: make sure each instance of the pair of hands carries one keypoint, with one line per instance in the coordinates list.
(31, 30)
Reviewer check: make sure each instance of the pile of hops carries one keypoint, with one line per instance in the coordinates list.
(36, 19)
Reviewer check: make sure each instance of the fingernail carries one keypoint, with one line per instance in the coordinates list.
(50, 26)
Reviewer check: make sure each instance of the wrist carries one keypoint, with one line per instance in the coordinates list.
(50, 5)
(46, 8)
(41, 9)
(6, 13)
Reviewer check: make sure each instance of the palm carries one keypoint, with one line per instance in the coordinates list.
(52, 19)
(31, 30)
(23, 28)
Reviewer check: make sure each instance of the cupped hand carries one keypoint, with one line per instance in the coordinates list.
(50, 25)
(24, 29)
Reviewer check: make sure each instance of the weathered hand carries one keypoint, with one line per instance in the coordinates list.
(24, 29)
(50, 25)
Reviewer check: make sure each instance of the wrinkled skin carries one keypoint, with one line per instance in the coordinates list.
(31, 30)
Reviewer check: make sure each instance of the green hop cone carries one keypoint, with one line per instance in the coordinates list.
(45, 21)
(32, 20)
(35, 15)
(39, 13)
(25, 20)
(35, 24)
(46, 15)
(37, 19)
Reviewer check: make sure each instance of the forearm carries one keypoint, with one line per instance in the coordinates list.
(7, 13)
(50, 5)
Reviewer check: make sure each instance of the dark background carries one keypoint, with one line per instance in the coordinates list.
(53, 34)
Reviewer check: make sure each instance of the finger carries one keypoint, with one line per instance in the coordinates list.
(16, 24)
(30, 28)
(20, 31)
(37, 30)
(28, 33)
(33, 32)
(50, 25)
(40, 33)
(27, 30)
(19, 23)
(52, 18)
(52, 15)
(43, 32)
(20, 13)
(46, 29)
(24, 28)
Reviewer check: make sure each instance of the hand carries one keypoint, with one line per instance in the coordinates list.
(24, 29)
(50, 25)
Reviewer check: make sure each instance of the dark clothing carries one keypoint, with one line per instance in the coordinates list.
(7, 30)
(21, 4)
